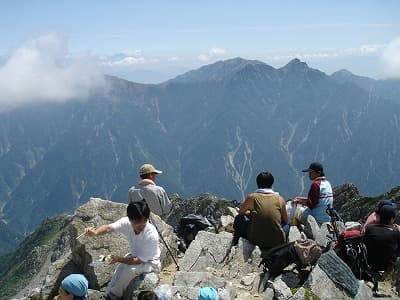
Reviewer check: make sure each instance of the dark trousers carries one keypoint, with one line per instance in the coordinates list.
(240, 224)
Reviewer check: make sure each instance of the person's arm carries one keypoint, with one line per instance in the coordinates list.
(300, 200)
(103, 229)
(284, 215)
(166, 202)
(246, 205)
(398, 240)
(129, 260)
(313, 195)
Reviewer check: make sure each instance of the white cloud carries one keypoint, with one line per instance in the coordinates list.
(119, 55)
(217, 51)
(126, 61)
(212, 53)
(203, 57)
(391, 58)
(174, 58)
(42, 70)
(327, 53)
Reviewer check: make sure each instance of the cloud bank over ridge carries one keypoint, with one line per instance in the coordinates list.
(391, 58)
(43, 70)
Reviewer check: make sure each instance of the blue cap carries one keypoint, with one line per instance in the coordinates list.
(75, 284)
(387, 212)
(384, 203)
(207, 293)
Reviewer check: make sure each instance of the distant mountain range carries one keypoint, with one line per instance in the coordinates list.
(210, 130)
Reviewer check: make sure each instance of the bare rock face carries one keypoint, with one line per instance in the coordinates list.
(86, 250)
(79, 255)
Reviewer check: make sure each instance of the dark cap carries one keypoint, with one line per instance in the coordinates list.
(387, 212)
(384, 203)
(317, 167)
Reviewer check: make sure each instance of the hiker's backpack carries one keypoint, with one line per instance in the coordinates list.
(302, 252)
(351, 249)
(278, 258)
(308, 251)
(190, 225)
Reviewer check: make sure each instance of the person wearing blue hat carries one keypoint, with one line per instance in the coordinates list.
(207, 293)
(383, 240)
(374, 217)
(73, 287)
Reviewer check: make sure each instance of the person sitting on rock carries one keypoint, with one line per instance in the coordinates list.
(320, 196)
(155, 195)
(374, 217)
(73, 287)
(143, 240)
(383, 240)
(266, 210)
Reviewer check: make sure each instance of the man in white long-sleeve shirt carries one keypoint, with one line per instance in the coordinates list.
(155, 195)
(145, 252)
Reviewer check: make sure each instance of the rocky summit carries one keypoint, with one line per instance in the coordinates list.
(53, 251)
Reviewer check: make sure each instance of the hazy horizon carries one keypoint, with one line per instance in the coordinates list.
(56, 51)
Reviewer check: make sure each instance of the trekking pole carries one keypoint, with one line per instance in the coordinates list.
(332, 214)
(165, 243)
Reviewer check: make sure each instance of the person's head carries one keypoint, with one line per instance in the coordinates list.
(138, 213)
(74, 286)
(147, 171)
(265, 180)
(207, 293)
(387, 214)
(315, 170)
(383, 203)
(147, 295)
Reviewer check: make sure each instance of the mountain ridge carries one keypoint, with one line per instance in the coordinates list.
(207, 136)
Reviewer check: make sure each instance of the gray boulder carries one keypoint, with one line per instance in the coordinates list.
(207, 250)
(142, 282)
(80, 255)
(311, 227)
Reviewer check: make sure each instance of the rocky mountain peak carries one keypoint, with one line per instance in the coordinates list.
(217, 71)
(295, 64)
(343, 73)
(296, 69)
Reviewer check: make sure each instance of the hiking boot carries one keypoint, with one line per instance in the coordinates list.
(180, 254)
(181, 247)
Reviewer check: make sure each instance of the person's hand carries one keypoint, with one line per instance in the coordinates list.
(114, 259)
(397, 227)
(57, 297)
(300, 200)
(90, 231)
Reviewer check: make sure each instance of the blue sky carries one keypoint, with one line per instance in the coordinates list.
(152, 41)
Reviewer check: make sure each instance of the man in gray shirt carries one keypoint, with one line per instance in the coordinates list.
(155, 195)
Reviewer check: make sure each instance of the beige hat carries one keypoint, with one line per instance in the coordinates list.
(148, 169)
